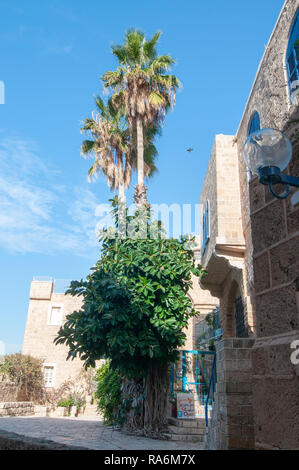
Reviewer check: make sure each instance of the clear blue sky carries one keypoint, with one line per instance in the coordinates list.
(52, 55)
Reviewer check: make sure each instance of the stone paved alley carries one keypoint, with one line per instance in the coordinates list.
(85, 432)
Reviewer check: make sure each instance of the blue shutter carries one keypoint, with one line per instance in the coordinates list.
(292, 58)
(207, 221)
(255, 123)
(205, 227)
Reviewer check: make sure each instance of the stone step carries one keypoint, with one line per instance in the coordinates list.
(90, 410)
(188, 423)
(191, 431)
(185, 437)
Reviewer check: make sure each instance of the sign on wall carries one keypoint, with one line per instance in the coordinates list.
(185, 406)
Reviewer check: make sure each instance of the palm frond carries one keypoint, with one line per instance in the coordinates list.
(121, 53)
(162, 64)
(156, 99)
(113, 78)
(133, 44)
(101, 106)
(87, 146)
(149, 47)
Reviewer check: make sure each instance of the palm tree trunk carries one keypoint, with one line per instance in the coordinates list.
(140, 152)
(121, 183)
(121, 197)
(140, 196)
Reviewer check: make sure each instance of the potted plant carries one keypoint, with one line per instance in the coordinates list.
(79, 403)
(65, 405)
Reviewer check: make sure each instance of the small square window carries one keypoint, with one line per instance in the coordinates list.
(55, 315)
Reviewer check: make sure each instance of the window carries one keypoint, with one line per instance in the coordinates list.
(205, 227)
(55, 315)
(254, 125)
(49, 371)
(292, 58)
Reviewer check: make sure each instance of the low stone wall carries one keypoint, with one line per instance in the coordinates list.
(26, 408)
(12, 441)
(8, 391)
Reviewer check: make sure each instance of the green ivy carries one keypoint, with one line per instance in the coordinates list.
(108, 394)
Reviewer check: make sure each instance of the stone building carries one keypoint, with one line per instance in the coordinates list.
(223, 254)
(272, 233)
(223, 244)
(257, 397)
(46, 313)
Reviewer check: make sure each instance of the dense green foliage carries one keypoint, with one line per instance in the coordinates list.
(66, 402)
(26, 372)
(76, 401)
(135, 302)
(108, 394)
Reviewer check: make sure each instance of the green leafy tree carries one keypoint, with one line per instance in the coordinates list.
(143, 86)
(135, 306)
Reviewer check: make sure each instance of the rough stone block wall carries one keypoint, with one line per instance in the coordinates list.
(16, 409)
(231, 425)
(270, 98)
(39, 335)
(276, 388)
(271, 229)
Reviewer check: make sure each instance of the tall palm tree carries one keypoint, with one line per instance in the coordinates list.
(110, 146)
(114, 147)
(141, 85)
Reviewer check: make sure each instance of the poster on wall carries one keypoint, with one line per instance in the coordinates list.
(185, 406)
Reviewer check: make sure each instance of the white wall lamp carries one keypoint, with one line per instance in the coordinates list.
(267, 153)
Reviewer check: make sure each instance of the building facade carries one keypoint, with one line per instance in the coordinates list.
(257, 396)
(46, 313)
(223, 243)
(271, 231)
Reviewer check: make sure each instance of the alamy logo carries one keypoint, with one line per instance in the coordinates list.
(2, 92)
(295, 354)
(176, 220)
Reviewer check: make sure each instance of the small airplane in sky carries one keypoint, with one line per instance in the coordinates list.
(190, 150)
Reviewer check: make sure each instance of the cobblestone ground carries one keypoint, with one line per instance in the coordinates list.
(87, 432)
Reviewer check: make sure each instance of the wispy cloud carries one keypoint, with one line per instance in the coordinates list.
(37, 213)
(56, 48)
